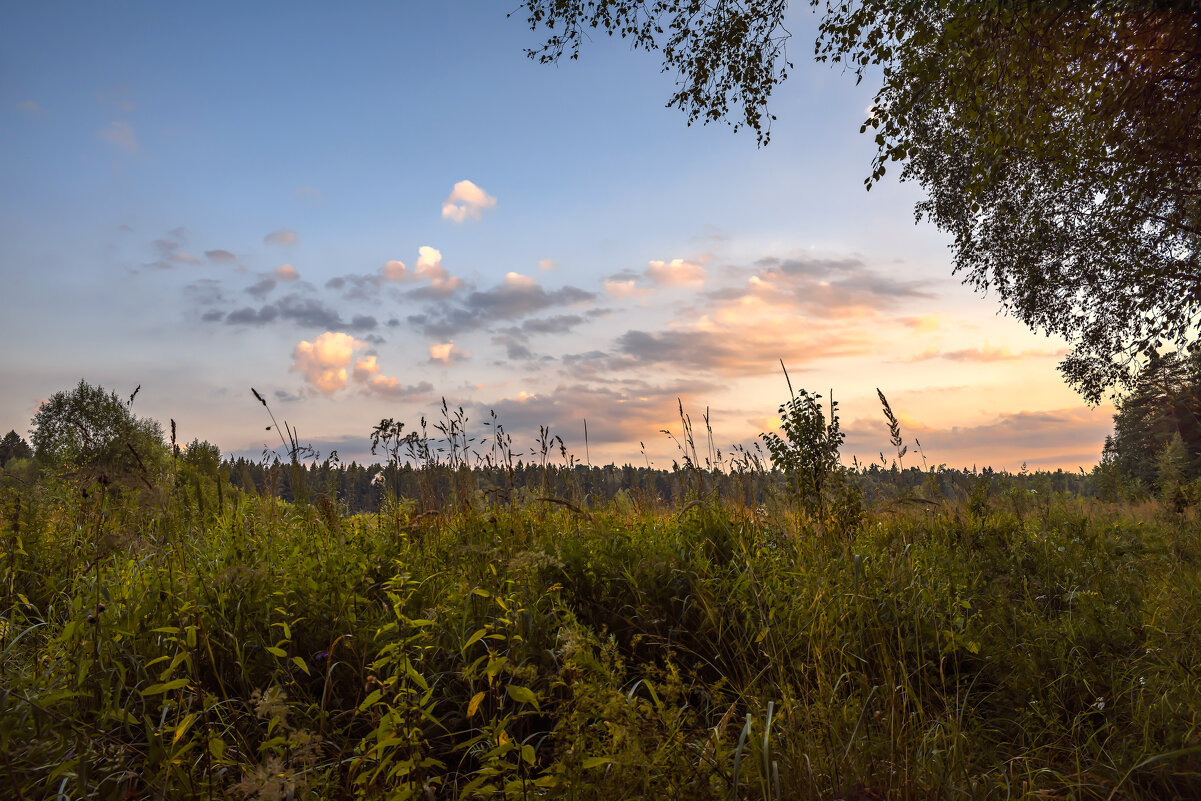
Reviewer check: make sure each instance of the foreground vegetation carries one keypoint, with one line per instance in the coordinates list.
(167, 643)
(500, 629)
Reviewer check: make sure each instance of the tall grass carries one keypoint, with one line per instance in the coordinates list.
(160, 646)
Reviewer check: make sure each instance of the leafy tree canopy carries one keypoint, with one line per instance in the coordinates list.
(204, 456)
(1059, 142)
(89, 428)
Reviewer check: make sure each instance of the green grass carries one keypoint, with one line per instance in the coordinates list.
(1035, 650)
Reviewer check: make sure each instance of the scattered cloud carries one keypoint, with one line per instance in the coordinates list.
(519, 280)
(626, 288)
(466, 200)
(512, 299)
(324, 361)
(744, 335)
(393, 270)
(332, 361)
(618, 412)
(204, 292)
(393, 389)
(514, 344)
(30, 107)
(261, 289)
(249, 316)
(168, 253)
(223, 256)
(120, 134)
(515, 339)
(303, 311)
(284, 237)
(429, 268)
(559, 324)
(824, 287)
(286, 272)
(357, 286)
(546, 264)
(677, 272)
(447, 353)
(1036, 437)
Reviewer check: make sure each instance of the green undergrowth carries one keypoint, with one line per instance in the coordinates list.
(160, 648)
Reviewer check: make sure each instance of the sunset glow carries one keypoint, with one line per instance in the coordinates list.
(362, 234)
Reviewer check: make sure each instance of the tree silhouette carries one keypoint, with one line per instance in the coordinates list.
(14, 447)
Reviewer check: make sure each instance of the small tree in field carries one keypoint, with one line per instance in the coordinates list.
(88, 429)
(807, 454)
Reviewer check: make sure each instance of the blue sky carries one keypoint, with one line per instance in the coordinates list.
(161, 164)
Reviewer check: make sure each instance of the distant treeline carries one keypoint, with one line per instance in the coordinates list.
(363, 488)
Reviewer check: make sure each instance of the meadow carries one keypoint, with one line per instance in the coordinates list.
(183, 639)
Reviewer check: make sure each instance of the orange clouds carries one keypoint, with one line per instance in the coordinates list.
(393, 270)
(1054, 438)
(330, 363)
(286, 272)
(323, 361)
(428, 269)
(447, 353)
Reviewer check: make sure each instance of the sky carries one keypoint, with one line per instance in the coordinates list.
(362, 209)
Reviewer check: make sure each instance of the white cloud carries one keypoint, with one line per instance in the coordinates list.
(120, 134)
(281, 236)
(466, 200)
(393, 270)
(546, 264)
(677, 272)
(308, 193)
(286, 272)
